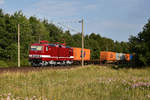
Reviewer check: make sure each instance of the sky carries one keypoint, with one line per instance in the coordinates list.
(115, 19)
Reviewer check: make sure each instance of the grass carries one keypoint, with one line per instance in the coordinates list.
(87, 83)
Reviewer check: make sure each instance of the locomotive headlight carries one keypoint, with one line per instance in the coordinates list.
(30, 55)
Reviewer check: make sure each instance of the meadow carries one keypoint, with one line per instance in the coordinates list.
(82, 83)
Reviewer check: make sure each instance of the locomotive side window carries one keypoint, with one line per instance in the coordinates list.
(46, 48)
(36, 48)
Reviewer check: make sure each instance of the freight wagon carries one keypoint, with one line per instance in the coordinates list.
(107, 56)
(113, 57)
(77, 55)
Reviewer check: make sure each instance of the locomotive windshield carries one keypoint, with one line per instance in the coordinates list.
(36, 48)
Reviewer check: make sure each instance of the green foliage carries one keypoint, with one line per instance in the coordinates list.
(140, 45)
(3, 64)
(25, 62)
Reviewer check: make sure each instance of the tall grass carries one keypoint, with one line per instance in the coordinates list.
(87, 83)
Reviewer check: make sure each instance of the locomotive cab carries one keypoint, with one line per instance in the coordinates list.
(35, 54)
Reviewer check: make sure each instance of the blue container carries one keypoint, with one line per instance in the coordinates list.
(131, 56)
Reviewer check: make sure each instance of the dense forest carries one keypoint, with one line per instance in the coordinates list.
(33, 29)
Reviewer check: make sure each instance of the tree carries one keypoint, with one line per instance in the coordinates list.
(140, 44)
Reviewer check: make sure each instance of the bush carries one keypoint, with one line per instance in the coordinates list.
(24, 62)
(3, 64)
(8, 63)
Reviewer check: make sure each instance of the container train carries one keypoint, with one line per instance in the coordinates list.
(44, 53)
(114, 57)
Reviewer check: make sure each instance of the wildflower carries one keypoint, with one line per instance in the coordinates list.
(140, 84)
(148, 96)
(26, 98)
(8, 98)
(9, 94)
(45, 99)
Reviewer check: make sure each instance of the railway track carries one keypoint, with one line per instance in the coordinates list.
(30, 69)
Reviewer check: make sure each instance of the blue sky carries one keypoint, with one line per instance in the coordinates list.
(116, 19)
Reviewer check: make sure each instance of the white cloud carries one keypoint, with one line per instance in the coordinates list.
(54, 8)
(59, 8)
(1, 1)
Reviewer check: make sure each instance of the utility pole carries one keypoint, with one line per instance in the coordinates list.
(18, 45)
(82, 42)
(82, 45)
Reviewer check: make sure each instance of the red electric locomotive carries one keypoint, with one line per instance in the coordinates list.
(43, 53)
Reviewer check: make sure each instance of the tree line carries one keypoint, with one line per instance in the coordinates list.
(33, 29)
(140, 45)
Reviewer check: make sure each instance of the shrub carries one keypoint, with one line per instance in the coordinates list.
(3, 63)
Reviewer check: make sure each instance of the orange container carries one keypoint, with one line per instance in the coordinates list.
(107, 56)
(77, 53)
(127, 57)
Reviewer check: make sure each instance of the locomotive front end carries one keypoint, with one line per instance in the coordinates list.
(35, 54)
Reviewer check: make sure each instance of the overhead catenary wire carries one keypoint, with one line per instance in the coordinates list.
(66, 26)
(72, 29)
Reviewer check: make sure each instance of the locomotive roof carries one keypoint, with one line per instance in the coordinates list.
(37, 44)
(53, 45)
